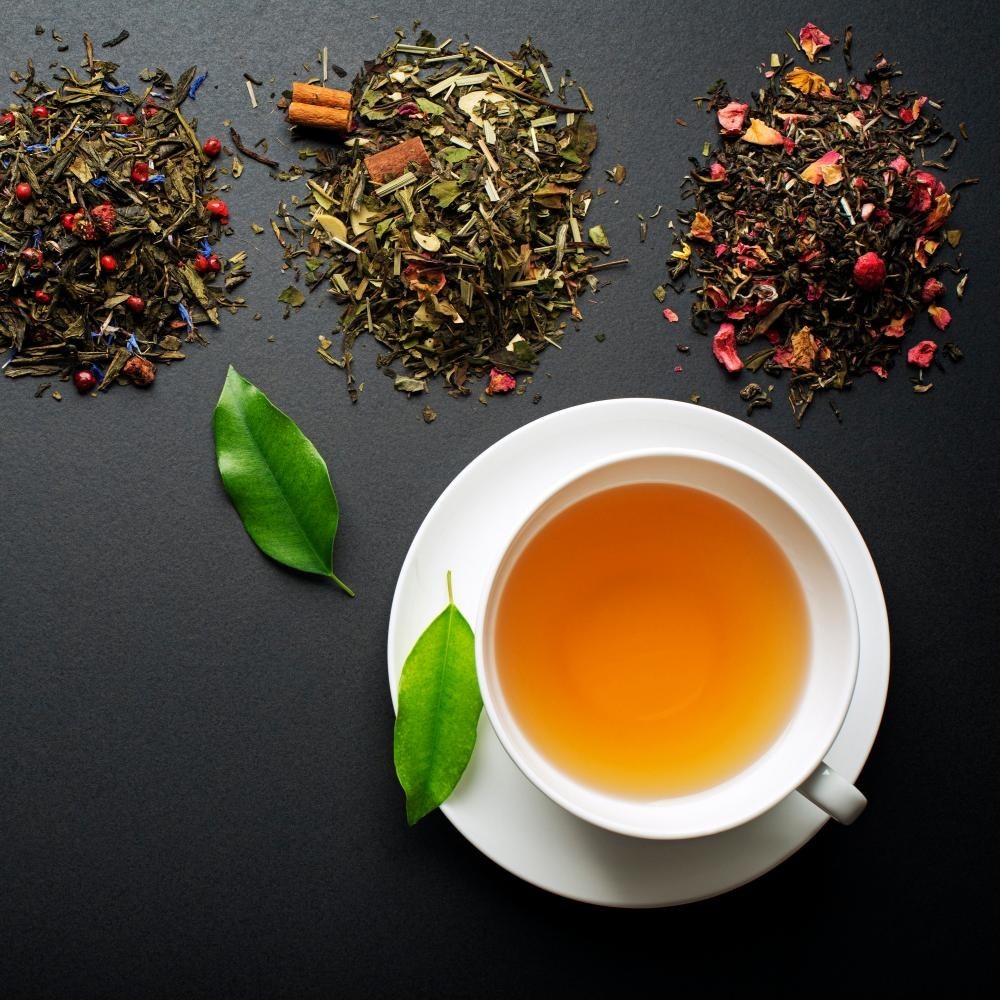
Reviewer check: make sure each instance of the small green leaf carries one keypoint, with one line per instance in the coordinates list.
(292, 296)
(429, 107)
(276, 478)
(439, 706)
(445, 192)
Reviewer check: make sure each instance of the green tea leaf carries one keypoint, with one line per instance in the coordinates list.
(439, 706)
(429, 107)
(276, 478)
(445, 192)
(292, 296)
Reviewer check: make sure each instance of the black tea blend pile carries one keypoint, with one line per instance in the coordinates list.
(820, 228)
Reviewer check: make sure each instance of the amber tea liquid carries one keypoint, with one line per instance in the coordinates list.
(652, 640)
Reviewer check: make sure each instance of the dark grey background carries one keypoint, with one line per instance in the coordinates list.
(196, 787)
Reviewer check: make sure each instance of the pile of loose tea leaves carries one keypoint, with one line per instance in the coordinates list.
(819, 230)
(108, 219)
(449, 225)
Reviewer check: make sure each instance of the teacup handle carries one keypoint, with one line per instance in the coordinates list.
(834, 794)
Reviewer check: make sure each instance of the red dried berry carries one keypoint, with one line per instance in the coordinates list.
(42, 297)
(135, 304)
(104, 216)
(32, 257)
(724, 348)
(212, 147)
(7, 119)
(149, 110)
(68, 220)
(84, 227)
(213, 262)
(218, 208)
(23, 191)
(139, 370)
(39, 112)
(108, 263)
(123, 118)
(201, 263)
(84, 380)
(869, 272)
(140, 172)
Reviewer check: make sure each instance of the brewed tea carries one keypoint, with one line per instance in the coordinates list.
(651, 640)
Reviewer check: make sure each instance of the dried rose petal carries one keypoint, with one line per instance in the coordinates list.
(938, 213)
(924, 189)
(820, 172)
(808, 83)
(717, 171)
(940, 316)
(423, 279)
(812, 39)
(912, 113)
(500, 382)
(724, 348)
(701, 227)
(896, 327)
(922, 354)
(932, 289)
(924, 250)
(763, 135)
(670, 316)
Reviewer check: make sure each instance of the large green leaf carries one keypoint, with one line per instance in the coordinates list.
(438, 711)
(276, 478)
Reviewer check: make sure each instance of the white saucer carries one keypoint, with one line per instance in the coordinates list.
(494, 806)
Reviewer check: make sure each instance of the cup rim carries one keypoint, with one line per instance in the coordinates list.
(605, 819)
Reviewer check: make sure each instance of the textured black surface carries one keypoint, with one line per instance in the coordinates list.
(196, 785)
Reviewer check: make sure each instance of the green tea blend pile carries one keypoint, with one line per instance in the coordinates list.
(108, 220)
(449, 225)
(820, 228)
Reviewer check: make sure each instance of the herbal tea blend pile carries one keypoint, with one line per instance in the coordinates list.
(108, 220)
(450, 227)
(819, 230)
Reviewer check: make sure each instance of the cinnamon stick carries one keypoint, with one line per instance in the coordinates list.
(318, 116)
(390, 163)
(327, 97)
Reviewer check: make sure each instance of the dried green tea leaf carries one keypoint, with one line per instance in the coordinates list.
(438, 712)
(472, 240)
(276, 479)
(112, 237)
(292, 296)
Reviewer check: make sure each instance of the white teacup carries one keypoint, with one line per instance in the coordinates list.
(793, 760)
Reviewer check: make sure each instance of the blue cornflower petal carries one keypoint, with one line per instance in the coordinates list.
(121, 88)
(195, 84)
